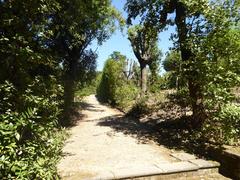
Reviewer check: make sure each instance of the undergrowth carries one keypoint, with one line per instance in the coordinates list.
(31, 138)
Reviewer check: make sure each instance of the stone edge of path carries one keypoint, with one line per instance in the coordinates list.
(189, 168)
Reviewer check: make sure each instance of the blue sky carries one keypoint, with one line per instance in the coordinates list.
(119, 42)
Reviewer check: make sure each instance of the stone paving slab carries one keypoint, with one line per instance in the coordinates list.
(182, 156)
(205, 164)
(178, 167)
(136, 172)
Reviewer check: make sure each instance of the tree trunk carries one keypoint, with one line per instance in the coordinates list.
(68, 100)
(69, 89)
(199, 114)
(143, 79)
(194, 87)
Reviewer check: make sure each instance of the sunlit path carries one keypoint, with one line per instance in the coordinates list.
(95, 150)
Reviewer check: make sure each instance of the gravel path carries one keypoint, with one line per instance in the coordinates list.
(95, 151)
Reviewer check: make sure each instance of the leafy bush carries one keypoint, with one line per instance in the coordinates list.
(230, 120)
(125, 96)
(110, 80)
(224, 128)
(114, 87)
(30, 139)
(169, 81)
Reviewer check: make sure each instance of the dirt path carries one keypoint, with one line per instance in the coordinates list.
(96, 150)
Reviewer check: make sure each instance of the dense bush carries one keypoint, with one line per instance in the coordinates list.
(114, 88)
(224, 126)
(112, 77)
(167, 81)
(30, 138)
(126, 96)
(30, 92)
(157, 85)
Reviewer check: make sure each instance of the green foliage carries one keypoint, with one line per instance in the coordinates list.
(112, 78)
(30, 91)
(168, 80)
(126, 96)
(88, 88)
(230, 120)
(223, 72)
(81, 22)
(173, 65)
(172, 62)
(224, 128)
(114, 88)
(157, 85)
(30, 141)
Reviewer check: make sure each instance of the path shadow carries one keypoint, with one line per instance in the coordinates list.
(88, 107)
(171, 134)
(75, 115)
(65, 154)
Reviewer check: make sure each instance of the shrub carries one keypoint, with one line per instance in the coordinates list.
(230, 120)
(224, 127)
(157, 85)
(114, 87)
(30, 138)
(112, 77)
(125, 96)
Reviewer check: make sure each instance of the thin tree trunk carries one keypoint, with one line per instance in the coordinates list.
(143, 79)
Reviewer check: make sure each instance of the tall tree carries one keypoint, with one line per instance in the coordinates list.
(144, 44)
